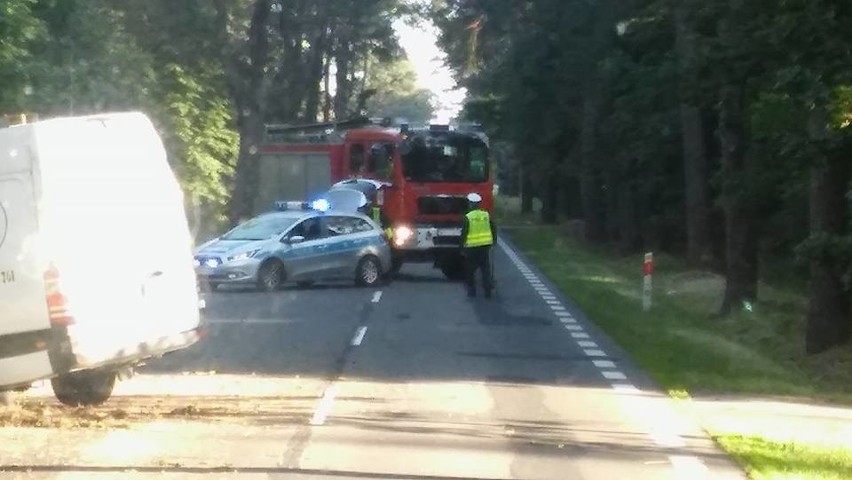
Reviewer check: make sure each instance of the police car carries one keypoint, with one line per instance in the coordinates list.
(298, 242)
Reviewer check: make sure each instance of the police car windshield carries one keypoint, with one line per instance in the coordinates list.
(446, 159)
(260, 228)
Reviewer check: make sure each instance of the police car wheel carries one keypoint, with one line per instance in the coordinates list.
(84, 389)
(270, 277)
(369, 271)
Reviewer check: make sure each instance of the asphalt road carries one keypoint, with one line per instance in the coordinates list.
(412, 380)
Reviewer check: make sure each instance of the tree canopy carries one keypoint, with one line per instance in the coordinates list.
(719, 129)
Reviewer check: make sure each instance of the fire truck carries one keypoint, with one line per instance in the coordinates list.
(422, 177)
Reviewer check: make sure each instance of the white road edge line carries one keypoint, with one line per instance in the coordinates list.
(377, 296)
(613, 375)
(324, 406)
(359, 336)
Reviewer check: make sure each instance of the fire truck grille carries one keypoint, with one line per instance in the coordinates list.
(442, 205)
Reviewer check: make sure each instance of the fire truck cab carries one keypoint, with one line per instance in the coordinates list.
(422, 177)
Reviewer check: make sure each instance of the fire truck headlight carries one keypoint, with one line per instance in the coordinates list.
(402, 234)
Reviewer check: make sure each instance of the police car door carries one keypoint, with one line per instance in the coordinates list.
(350, 236)
(307, 259)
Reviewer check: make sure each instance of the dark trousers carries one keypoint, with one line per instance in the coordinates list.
(478, 258)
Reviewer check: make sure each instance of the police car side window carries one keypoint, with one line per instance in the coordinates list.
(310, 229)
(346, 225)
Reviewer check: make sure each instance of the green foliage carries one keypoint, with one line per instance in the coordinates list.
(396, 93)
(19, 29)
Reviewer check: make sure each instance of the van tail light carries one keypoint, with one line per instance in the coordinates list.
(57, 304)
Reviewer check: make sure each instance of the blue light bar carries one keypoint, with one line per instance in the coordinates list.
(321, 205)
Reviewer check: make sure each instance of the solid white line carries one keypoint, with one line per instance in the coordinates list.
(359, 336)
(324, 406)
(604, 363)
(594, 353)
(573, 328)
(688, 467)
(613, 375)
(377, 296)
(579, 334)
(587, 344)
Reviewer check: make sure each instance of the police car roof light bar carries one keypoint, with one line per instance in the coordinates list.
(283, 206)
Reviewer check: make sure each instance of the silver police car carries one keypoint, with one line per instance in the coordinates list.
(299, 245)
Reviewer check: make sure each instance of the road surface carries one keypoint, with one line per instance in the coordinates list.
(412, 380)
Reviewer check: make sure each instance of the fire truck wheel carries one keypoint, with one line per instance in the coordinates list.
(270, 277)
(369, 271)
(84, 389)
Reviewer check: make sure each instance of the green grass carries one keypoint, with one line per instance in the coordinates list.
(681, 341)
(763, 459)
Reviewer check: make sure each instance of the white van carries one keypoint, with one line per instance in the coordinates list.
(96, 266)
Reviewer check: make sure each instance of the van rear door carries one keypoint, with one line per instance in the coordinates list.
(24, 324)
(122, 246)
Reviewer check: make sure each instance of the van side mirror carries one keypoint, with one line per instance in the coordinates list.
(294, 240)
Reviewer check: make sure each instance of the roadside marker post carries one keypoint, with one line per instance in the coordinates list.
(648, 270)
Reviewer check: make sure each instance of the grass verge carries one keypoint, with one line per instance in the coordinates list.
(758, 351)
(764, 459)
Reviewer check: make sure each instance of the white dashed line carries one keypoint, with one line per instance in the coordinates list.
(377, 296)
(324, 407)
(359, 336)
(613, 375)
(684, 466)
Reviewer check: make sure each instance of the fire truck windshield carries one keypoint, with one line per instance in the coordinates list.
(459, 159)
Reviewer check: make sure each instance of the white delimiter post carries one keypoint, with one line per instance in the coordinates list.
(646, 284)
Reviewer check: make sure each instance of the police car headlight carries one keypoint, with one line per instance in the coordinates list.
(243, 256)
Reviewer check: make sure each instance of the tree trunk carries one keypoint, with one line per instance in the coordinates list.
(695, 168)
(550, 200)
(252, 117)
(315, 76)
(740, 242)
(828, 315)
(527, 192)
(590, 191)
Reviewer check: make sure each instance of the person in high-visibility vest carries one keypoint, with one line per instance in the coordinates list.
(380, 220)
(477, 238)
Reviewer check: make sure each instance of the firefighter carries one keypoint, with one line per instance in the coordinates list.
(478, 234)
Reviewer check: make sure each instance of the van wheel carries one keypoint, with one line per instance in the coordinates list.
(369, 271)
(84, 389)
(270, 277)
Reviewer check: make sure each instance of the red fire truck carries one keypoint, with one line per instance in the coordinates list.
(423, 178)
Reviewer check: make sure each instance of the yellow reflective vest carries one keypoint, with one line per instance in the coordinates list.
(377, 217)
(479, 229)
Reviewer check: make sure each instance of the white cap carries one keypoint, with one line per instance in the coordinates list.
(474, 198)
